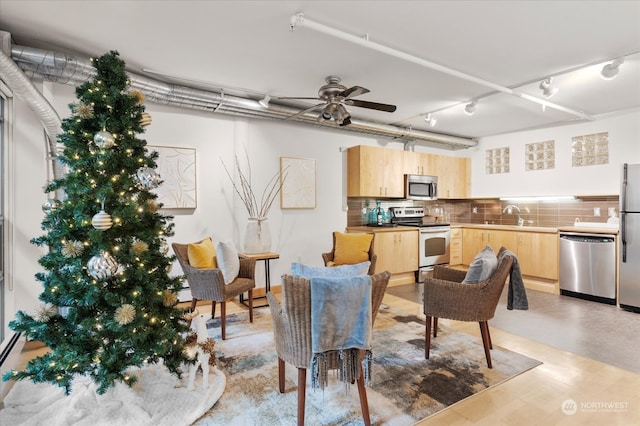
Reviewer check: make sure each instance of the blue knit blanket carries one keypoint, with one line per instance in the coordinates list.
(340, 324)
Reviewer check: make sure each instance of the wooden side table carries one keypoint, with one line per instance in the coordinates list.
(266, 257)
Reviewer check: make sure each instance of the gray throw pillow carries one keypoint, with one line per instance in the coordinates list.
(482, 266)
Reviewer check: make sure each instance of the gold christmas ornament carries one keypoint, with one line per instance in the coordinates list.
(138, 96)
(72, 248)
(146, 119)
(152, 206)
(125, 314)
(169, 298)
(83, 110)
(138, 247)
(102, 221)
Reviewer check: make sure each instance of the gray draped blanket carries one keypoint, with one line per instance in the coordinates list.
(516, 296)
(340, 325)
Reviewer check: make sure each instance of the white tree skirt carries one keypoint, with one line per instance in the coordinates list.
(158, 398)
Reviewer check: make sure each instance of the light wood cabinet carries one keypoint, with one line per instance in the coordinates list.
(375, 172)
(397, 251)
(455, 247)
(417, 163)
(474, 240)
(453, 176)
(538, 254)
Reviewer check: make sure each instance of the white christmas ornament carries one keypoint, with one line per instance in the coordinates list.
(102, 221)
(102, 266)
(104, 140)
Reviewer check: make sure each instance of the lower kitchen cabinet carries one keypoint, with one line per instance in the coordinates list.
(455, 247)
(537, 253)
(397, 251)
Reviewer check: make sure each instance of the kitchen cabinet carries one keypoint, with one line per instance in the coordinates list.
(417, 163)
(455, 247)
(453, 176)
(397, 251)
(538, 254)
(474, 240)
(375, 172)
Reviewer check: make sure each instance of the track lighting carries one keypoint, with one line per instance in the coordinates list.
(470, 108)
(610, 70)
(547, 89)
(264, 102)
(431, 120)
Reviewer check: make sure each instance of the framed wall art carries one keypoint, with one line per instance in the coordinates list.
(177, 169)
(298, 178)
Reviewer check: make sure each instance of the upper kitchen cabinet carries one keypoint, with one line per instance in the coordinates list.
(416, 163)
(375, 172)
(454, 175)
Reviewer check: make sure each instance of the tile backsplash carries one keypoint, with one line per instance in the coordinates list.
(549, 214)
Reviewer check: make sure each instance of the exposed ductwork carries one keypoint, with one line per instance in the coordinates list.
(64, 69)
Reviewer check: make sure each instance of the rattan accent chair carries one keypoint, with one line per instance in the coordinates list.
(292, 332)
(446, 297)
(208, 284)
(328, 257)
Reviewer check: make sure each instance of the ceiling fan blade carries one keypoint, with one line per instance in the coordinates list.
(304, 111)
(302, 99)
(353, 91)
(370, 105)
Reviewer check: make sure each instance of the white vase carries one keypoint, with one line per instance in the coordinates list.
(257, 238)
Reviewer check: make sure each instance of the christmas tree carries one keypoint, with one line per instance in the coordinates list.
(108, 302)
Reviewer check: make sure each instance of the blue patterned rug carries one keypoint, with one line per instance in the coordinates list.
(405, 387)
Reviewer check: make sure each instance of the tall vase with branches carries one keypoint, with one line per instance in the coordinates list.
(258, 236)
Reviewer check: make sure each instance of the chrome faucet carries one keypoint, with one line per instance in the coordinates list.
(509, 210)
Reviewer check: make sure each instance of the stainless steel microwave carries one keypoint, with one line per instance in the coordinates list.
(420, 187)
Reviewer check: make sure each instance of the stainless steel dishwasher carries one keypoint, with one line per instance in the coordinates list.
(588, 266)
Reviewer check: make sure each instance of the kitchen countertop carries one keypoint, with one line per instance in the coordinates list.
(526, 228)
(506, 227)
(381, 228)
(588, 230)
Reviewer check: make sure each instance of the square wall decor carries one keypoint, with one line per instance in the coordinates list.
(590, 150)
(177, 169)
(540, 156)
(298, 180)
(497, 160)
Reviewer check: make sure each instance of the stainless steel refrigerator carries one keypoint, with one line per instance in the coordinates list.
(629, 260)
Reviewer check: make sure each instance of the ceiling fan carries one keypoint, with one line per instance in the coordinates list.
(335, 96)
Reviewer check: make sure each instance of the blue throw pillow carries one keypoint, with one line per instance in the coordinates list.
(306, 271)
(482, 266)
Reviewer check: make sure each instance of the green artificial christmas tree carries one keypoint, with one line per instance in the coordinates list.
(108, 301)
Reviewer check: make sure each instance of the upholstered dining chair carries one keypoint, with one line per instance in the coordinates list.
(351, 248)
(209, 284)
(446, 296)
(292, 333)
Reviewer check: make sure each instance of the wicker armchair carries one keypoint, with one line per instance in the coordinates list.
(446, 297)
(292, 332)
(328, 257)
(208, 284)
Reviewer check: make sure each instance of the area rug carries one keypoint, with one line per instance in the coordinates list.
(405, 387)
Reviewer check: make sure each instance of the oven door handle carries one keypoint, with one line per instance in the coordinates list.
(432, 231)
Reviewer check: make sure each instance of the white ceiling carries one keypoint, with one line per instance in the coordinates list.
(249, 46)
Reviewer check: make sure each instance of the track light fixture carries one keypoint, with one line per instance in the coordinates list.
(610, 70)
(470, 108)
(264, 102)
(547, 89)
(430, 119)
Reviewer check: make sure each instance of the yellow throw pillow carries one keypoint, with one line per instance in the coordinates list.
(351, 248)
(202, 255)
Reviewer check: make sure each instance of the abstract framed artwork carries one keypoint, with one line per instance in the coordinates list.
(298, 179)
(177, 169)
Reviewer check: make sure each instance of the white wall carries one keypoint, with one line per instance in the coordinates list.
(624, 147)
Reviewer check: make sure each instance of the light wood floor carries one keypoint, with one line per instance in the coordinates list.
(603, 394)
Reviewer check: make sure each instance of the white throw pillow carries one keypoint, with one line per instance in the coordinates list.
(228, 261)
(482, 266)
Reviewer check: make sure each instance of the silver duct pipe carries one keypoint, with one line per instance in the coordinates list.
(22, 87)
(63, 69)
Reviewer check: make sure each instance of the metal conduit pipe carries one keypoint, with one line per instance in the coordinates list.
(64, 69)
